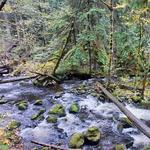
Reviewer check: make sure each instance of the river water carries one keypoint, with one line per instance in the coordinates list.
(93, 112)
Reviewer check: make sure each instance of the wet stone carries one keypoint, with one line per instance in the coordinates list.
(76, 140)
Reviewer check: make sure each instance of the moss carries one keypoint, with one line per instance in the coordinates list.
(39, 115)
(58, 109)
(22, 105)
(4, 146)
(92, 135)
(13, 125)
(136, 99)
(38, 102)
(119, 147)
(51, 119)
(126, 122)
(147, 148)
(74, 108)
(76, 140)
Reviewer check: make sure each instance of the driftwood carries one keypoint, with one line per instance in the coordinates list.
(2, 81)
(2, 4)
(4, 69)
(137, 122)
(52, 77)
(49, 146)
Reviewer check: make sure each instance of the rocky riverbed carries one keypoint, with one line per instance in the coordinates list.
(53, 115)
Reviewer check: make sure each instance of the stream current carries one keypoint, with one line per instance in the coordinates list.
(94, 112)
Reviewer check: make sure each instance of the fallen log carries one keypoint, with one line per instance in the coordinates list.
(52, 77)
(137, 122)
(3, 81)
(49, 146)
(2, 4)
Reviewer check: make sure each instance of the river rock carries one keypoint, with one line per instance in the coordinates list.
(76, 140)
(58, 110)
(136, 99)
(59, 94)
(74, 108)
(2, 101)
(22, 105)
(92, 135)
(125, 122)
(39, 116)
(51, 119)
(119, 147)
(38, 102)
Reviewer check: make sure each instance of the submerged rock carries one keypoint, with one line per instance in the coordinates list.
(23, 105)
(59, 110)
(76, 140)
(51, 119)
(92, 135)
(74, 108)
(38, 102)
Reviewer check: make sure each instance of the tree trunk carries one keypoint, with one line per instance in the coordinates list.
(137, 122)
(2, 4)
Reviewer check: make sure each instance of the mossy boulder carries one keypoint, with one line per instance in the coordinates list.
(119, 147)
(92, 135)
(74, 108)
(147, 148)
(38, 102)
(76, 140)
(13, 125)
(22, 105)
(58, 110)
(126, 122)
(39, 116)
(51, 119)
(136, 99)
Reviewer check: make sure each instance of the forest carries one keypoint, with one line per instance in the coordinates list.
(74, 74)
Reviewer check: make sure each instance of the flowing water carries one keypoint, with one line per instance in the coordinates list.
(93, 112)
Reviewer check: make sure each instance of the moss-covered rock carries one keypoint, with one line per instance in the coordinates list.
(74, 108)
(126, 122)
(39, 116)
(22, 105)
(119, 147)
(76, 140)
(136, 99)
(13, 125)
(51, 119)
(38, 102)
(59, 94)
(58, 110)
(147, 148)
(92, 135)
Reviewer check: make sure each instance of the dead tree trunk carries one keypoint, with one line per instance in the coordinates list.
(137, 122)
(3, 81)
